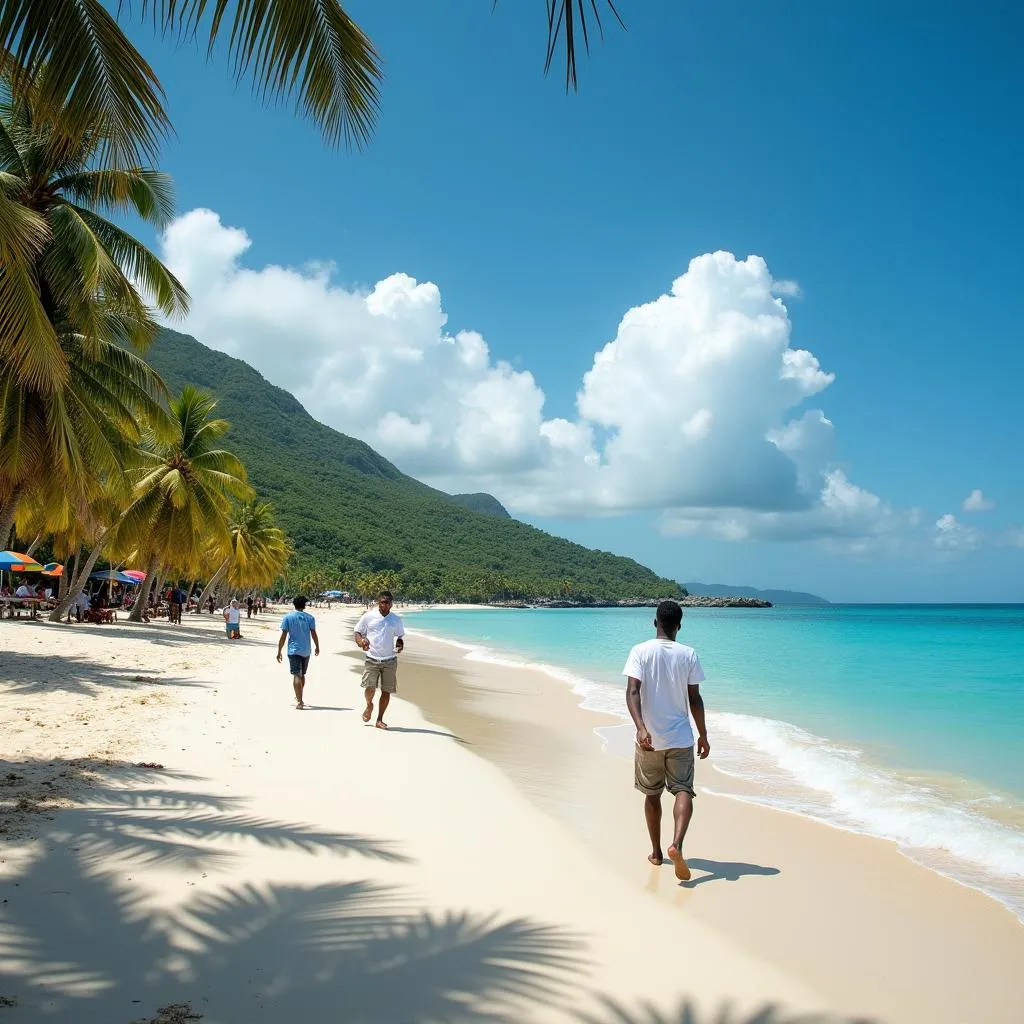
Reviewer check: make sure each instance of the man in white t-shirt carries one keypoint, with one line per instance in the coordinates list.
(379, 633)
(24, 591)
(662, 689)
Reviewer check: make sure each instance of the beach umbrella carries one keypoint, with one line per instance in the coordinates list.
(53, 569)
(136, 576)
(15, 561)
(113, 576)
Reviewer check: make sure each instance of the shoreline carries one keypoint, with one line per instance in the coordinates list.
(746, 769)
(866, 883)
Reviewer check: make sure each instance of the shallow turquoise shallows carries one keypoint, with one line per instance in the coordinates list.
(903, 721)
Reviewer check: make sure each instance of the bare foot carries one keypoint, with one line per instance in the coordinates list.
(381, 725)
(682, 868)
(367, 713)
(300, 706)
(656, 859)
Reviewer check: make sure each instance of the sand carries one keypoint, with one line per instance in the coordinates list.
(480, 862)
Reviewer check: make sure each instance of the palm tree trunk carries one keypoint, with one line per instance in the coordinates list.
(214, 580)
(142, 601)
(7, 511)
(81, 576)
(31, 549)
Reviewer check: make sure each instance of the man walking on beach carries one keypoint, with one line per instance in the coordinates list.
(298, 628)
(662, 688)
(379, 633)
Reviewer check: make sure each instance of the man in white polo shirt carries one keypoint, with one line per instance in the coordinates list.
(379, 633)
(662, 689)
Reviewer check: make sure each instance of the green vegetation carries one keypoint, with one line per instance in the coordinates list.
(357, 522)
(486, 503)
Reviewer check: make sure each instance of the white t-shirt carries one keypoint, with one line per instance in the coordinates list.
(382, 631)
(83, 601)
(23, 591)
(233, 615)
(665, 669)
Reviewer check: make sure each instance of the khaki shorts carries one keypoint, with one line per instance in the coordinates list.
(654, 770)
(381, 673)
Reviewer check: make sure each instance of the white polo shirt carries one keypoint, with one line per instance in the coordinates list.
(382, 631)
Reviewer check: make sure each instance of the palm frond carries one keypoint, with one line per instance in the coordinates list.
(568, 19)
(143, 191)
(309, 51)
(137, 263)
(95, 78)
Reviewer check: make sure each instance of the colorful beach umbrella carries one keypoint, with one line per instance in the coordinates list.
(137, 576)
(15, 561)
(113, 576)
(53, 569)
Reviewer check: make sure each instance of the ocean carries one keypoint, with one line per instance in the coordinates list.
(904, 722)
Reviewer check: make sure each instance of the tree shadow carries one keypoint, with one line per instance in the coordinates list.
(153, 824)
(686, 1012)
(50, 670)
(79, 938)
(724, 870)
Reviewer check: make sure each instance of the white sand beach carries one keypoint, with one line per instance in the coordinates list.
(480, 861)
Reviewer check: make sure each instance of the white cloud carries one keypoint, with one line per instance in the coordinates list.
(694, 408)
(951, 536)
(977, 502)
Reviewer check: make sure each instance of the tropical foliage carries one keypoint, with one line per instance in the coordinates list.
(307, 52)
(72, 393)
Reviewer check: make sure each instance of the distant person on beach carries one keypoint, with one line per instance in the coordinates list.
(248, 606)
(232, 620)
(662, 689)
(298, 628)
(379, 633)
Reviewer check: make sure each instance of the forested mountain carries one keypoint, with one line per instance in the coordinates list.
(350, 512)
(486, 503)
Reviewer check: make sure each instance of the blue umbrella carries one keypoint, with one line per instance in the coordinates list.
(113, 576)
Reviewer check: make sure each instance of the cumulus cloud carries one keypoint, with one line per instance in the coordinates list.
(696, 407)
(951, 536)
(977, 502)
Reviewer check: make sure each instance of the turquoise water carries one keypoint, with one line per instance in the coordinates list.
(906, 722)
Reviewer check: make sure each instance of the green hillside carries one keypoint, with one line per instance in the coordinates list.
(351, 512)
(486, 503)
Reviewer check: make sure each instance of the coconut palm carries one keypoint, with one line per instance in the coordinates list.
(309, 52)
(183, 488)
(71, 393)
(257, 552)
(67, 269)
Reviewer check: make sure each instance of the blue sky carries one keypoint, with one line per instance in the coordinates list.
(868, 151)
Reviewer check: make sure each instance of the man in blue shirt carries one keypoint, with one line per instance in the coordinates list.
(298, 627)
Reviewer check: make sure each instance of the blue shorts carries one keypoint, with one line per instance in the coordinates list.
(298, 663)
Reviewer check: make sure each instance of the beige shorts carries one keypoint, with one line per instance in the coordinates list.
(654, 770)
(381, 673)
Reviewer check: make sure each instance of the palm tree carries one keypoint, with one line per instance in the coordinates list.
(307, 51)
(258, 549)
(70, 391)
(183, 492)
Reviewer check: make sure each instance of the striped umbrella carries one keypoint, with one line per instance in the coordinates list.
(135, 574)
(15, 561)
(53, 569)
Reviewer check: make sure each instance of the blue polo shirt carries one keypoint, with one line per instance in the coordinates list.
(298, 626)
